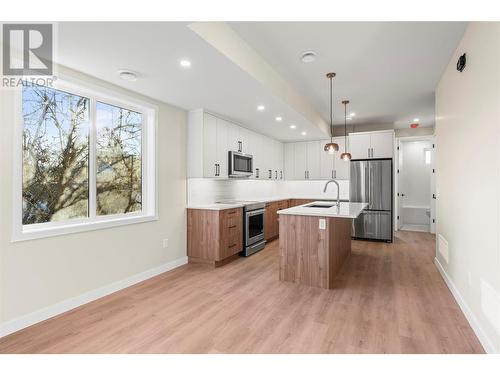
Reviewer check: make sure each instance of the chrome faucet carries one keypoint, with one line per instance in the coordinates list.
(338, 190)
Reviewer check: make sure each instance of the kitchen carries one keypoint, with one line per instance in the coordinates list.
(228, 154)
(252, 187)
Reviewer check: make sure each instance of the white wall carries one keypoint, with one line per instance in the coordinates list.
(206, 191)
(41, 273)
(467, 179)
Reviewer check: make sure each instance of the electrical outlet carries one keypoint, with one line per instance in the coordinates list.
(165, 243)
(322, 223)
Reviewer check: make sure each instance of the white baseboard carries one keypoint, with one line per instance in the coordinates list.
(483, 338)
(27, 320)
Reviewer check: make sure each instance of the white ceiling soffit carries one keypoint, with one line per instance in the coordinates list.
(230, 44)
(388, 70)
(154, 50)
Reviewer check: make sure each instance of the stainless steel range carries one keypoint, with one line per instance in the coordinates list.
(253, 226)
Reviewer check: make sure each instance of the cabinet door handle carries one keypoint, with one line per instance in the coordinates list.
(215, 165)
(270, 173)
(218, 169)
(332, 173)
(335, 173)
(256, 172)
(240, 146)
(275, 175)
(281, 175)
(368, 151)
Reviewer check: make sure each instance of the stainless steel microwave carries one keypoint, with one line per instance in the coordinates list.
(240, 164)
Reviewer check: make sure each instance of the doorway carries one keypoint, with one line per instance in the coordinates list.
(415, 185)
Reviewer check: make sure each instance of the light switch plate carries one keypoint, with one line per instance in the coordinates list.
(322, 223)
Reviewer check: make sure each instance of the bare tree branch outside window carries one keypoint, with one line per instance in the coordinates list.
(119, 163)
(56, 157)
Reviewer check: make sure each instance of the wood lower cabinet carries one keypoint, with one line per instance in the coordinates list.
(214, 237)
(271, 222)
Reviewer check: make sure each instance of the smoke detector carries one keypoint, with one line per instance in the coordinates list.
(308, 56)
(127, 75)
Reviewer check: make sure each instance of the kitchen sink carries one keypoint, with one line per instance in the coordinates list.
(319, 205)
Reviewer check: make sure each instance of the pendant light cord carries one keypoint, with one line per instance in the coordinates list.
(331, 109)
(345, 127)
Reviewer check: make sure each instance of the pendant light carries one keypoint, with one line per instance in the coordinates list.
(331, 147)
(346, 156)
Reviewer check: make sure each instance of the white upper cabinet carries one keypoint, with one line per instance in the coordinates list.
(371, 145)
(382, 145)
(288, 161)
(244, 140)
(309, 161)
(221, 148)
(359, 146)
(210, 138)
(327, 163)
(210, 164)
(313, 159)
(300, 161)
(233, 136)
(342, 167)
(258, 156)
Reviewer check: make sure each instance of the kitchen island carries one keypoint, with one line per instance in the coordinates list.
(315, 241)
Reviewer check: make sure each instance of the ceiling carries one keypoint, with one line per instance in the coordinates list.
(387, 70)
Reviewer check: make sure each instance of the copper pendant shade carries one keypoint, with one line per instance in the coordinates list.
(331, 147)
(346, 156)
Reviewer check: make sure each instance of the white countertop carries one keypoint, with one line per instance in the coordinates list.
(227, 206)
(346, 210)
(216, 206)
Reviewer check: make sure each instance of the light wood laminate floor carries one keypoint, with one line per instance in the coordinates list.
(389, 298)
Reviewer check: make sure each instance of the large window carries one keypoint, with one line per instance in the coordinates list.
(87, 161)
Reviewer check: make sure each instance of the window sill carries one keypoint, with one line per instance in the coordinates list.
(69, 228)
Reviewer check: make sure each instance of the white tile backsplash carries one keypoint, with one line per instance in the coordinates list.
(207, 191)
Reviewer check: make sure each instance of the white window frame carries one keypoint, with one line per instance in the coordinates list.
(149, 158)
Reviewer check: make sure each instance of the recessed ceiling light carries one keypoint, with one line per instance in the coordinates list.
(185, 63)
(352, 114)
(279, 118)
(308, 56)
(293, 126)
(416, 120)
(127, 75)
(260, 108)
(303, 133)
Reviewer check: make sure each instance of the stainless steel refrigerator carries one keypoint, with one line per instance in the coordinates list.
(371, 182)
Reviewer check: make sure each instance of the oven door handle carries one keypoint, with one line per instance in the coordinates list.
(256, 212)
